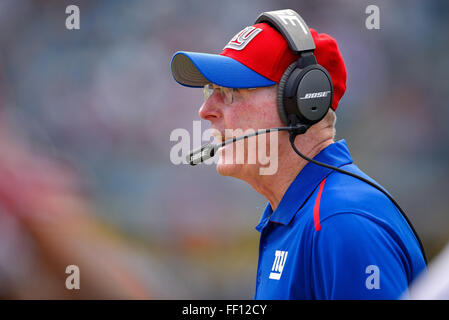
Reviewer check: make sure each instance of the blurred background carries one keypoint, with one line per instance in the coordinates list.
(85, 121)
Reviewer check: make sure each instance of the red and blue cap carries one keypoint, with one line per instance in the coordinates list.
(255, 57)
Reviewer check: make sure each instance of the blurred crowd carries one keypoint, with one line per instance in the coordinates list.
(85, 121)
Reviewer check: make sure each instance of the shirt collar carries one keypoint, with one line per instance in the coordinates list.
(336, 154)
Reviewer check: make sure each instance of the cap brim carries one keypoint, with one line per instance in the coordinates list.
(194, 69)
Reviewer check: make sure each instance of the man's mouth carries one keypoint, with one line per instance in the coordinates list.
(220, 137)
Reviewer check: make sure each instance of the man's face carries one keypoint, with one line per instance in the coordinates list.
(250, 110)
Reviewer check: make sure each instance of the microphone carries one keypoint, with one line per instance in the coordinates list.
(207, 151)
(201, 154)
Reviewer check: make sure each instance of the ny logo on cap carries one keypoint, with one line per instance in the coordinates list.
(241, 39)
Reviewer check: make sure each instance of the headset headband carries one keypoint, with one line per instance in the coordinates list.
(290, 24)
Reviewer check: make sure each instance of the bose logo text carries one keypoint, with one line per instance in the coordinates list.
(314, 95)
(278, 265)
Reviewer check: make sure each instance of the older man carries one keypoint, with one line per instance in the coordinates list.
(324, 234)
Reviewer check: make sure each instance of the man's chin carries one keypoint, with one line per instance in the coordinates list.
(225, 169)
(231, 169)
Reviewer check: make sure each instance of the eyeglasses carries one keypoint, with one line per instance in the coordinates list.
(227, 94)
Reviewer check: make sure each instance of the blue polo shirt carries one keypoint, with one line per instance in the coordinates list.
(335, 237)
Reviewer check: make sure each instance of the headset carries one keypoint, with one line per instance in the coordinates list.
(305, 90)
(304, 96)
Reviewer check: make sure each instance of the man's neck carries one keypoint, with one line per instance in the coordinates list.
(273, 187)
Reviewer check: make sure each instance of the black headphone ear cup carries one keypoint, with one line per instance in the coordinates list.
(283, 114)
(314, 94)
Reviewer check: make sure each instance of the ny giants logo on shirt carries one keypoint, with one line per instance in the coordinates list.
(279, 261)
(241, 39)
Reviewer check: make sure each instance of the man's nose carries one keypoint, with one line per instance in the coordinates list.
(210, 110)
